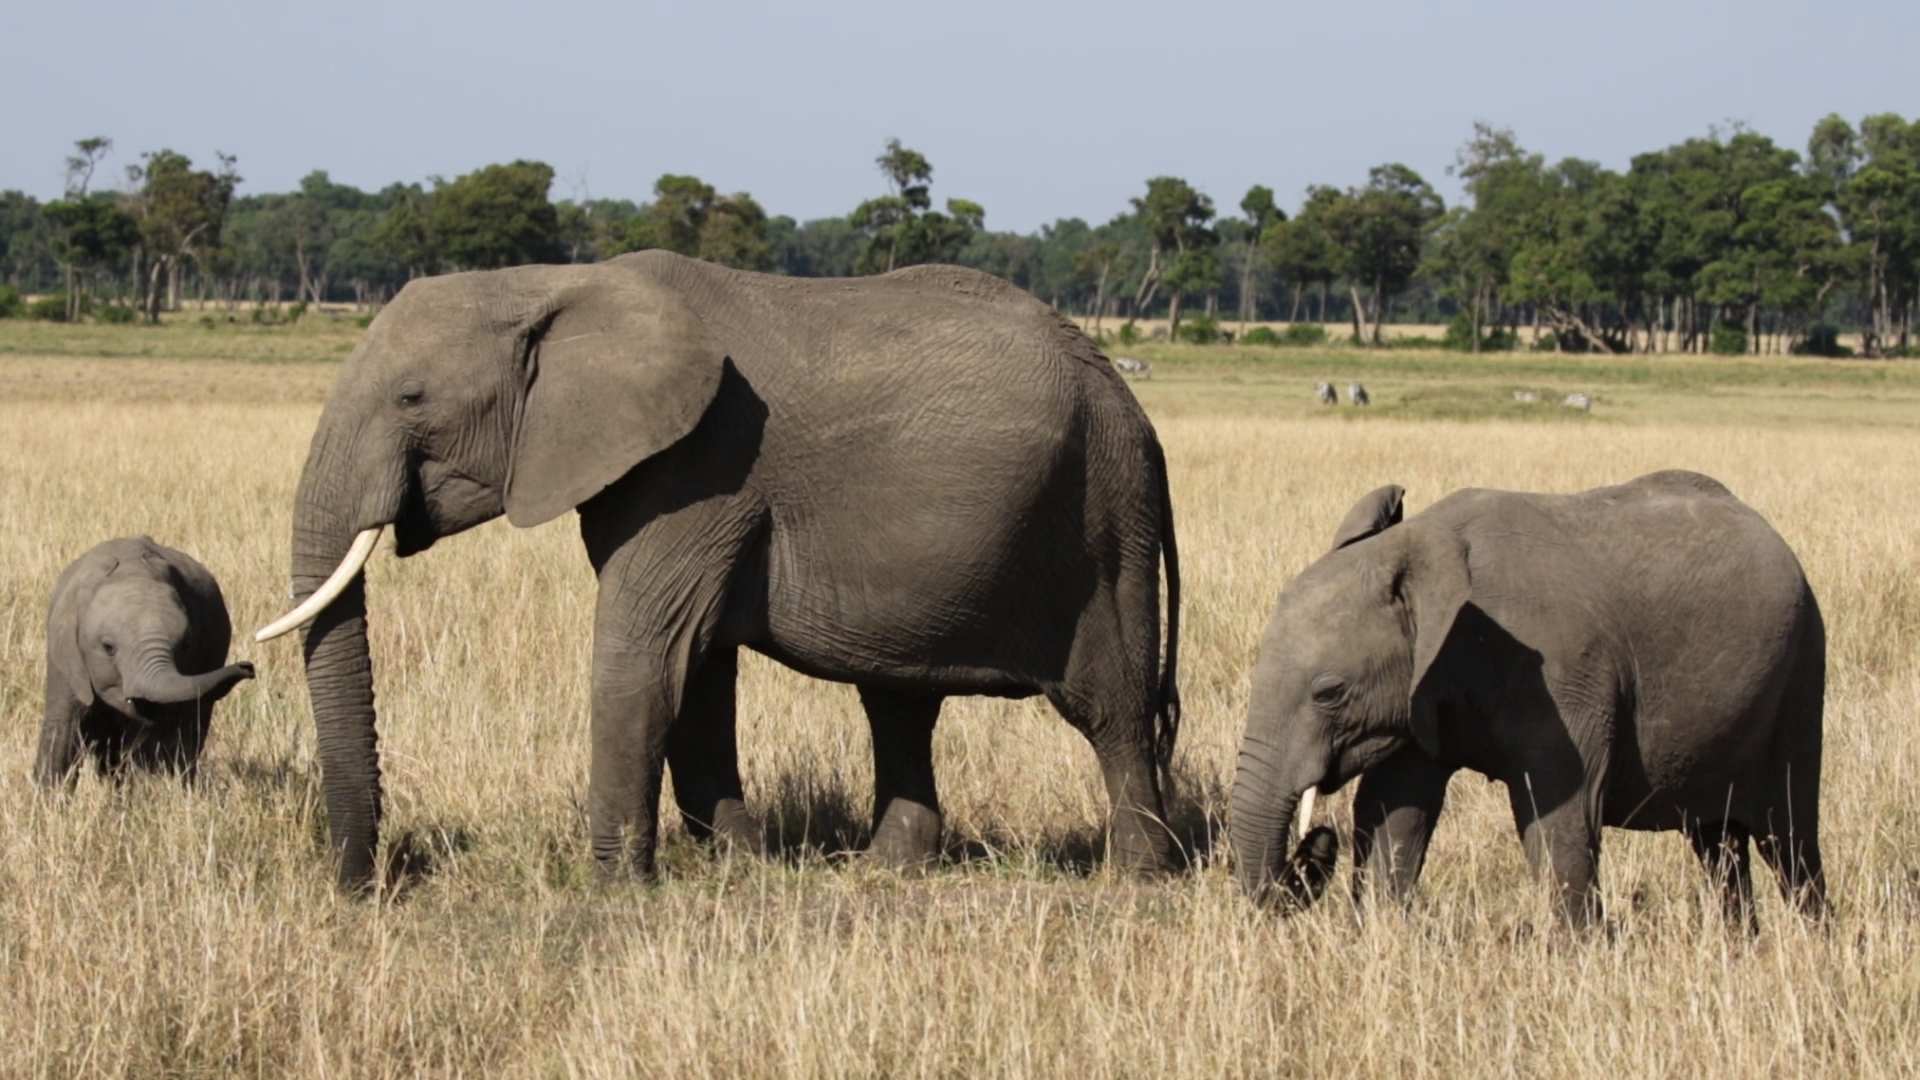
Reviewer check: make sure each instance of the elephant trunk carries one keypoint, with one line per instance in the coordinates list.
(159, 682)
(339, 669)
(1267, 793)
(340, 688)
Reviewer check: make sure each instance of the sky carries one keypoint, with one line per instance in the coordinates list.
(1035, 109)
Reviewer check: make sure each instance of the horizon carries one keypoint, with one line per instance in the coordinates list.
(1011, 121)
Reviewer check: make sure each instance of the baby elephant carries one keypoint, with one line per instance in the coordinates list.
(136, 636)
(1647, 656)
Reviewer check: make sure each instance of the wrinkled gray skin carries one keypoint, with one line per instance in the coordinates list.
(1647, 656)
(924, 484)
(137, 639)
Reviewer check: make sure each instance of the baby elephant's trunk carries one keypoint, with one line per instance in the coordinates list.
(158, 681)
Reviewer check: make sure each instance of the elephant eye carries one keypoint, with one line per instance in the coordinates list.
(411, 395)
(106, 647)
(1329, 690)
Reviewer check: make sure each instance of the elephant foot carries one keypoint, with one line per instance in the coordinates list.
(907, 838)
(734, 827)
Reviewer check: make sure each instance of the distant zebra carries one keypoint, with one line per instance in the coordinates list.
(1578, 400)
(1325, 395)
(1127, 365)
(1357, 394)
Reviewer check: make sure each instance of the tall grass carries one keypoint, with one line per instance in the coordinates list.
(150, 931)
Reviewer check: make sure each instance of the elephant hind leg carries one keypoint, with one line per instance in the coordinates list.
(704, 758)
(1120, 727)
(906, 806)
(1721, 847)
(1789, 837)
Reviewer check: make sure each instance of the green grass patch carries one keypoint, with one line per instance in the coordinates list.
(187, 336)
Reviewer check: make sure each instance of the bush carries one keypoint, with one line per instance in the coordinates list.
(115, 313)
(1460, 336)
(49, 308)
(11, 306)
(1727, 340)
(364, 321)
(297, 310)
(1199, 330)
(1260, 335)
(1822, 340)
(1129, 334)
(1302, 333)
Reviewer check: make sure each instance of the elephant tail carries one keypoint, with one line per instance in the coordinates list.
(1167, 721)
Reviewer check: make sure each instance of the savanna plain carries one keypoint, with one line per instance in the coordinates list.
(150, 931)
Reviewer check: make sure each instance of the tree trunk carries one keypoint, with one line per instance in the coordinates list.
(1173, 315)
(1359, 313)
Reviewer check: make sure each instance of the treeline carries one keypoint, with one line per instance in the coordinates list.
(1727, 243)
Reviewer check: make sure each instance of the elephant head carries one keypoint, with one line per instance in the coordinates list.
(523, 392)
(1342, 681)
(137, 630)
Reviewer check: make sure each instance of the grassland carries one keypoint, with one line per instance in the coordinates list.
(149, 931)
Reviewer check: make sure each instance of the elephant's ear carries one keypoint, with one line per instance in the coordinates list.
(1377, 511)
(621, 370)
(66, 658)
(1433, 584)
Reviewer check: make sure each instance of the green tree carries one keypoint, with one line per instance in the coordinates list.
(1378, 233)
(1872, 179)
(901, 228)
(689, 216)
(402, 236)
(1474, 246)
(1262, 214)
(1302, 251)
(1180, 252)
(91, 230)
(494, 217)
(181, 211)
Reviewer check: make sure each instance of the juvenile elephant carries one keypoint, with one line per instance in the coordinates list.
(925, 483)
(137, 637)
(1647, 656)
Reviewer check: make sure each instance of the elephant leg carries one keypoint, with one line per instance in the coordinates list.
(1561, 837)
(634, 701)
(1120, 729)
(703, 755)
(1722, 849)
(906, 806)
(57, 762)
(1394, 813)
(1789, 838)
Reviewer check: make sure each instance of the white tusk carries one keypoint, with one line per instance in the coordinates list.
(1305, 815)
(328, 592)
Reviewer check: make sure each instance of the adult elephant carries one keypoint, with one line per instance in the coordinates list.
(1644, 656)
(924, 484)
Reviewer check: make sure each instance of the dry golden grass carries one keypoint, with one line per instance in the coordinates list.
(149, 931)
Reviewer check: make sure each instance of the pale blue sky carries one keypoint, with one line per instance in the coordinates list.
(1036, 109)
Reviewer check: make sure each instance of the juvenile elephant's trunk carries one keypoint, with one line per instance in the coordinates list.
(1267, 790)
(160, 682)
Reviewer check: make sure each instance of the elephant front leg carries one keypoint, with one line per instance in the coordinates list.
(1562, 840)
(1394, 813)
(634, 703)
(57, 762)
(906, 807)
(703, 756)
